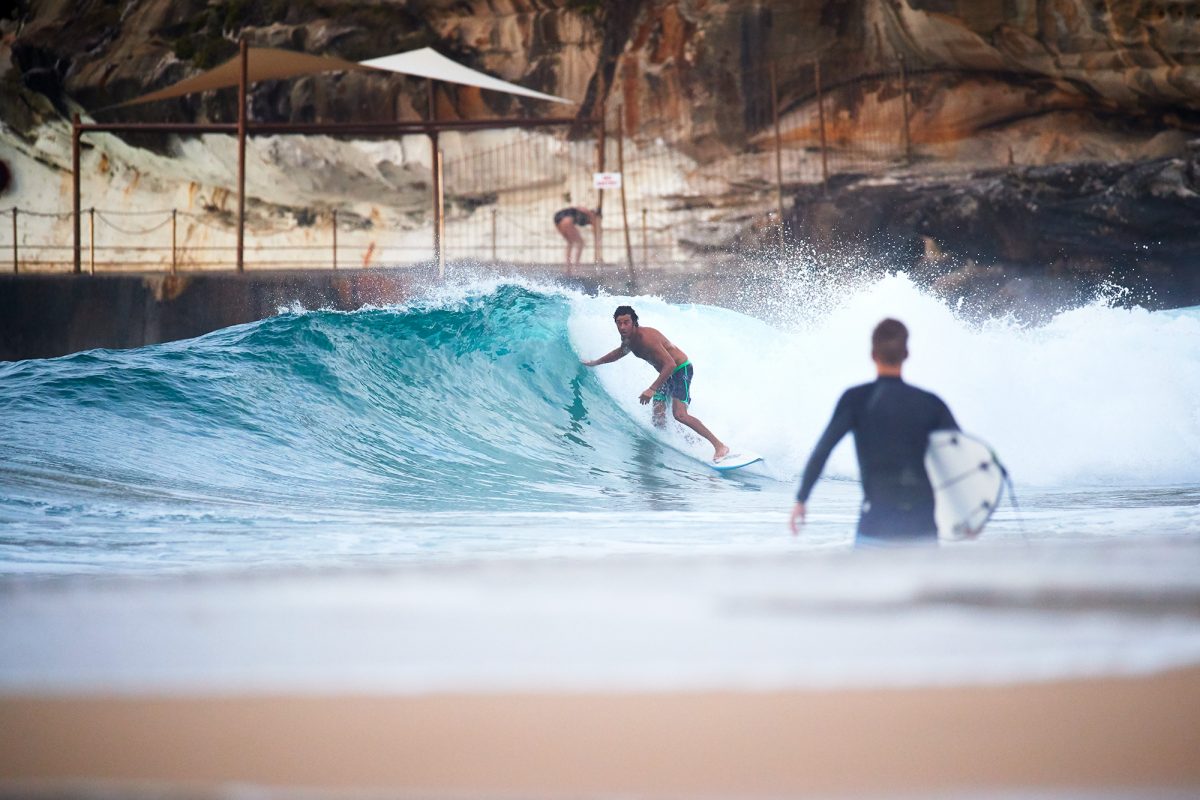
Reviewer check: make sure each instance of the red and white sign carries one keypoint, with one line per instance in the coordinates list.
(606, 180)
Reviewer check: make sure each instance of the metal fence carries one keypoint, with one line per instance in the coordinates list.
(499, 197)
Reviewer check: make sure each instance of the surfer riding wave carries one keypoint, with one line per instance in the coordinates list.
(674, 379)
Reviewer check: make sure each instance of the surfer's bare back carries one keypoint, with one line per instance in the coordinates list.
(675, 372)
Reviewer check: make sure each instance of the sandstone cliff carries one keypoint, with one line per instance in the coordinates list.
(985, 84)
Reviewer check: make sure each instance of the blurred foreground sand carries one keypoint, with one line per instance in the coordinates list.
(1125, 734)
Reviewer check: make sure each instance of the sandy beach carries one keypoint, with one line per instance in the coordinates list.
(1134, 734)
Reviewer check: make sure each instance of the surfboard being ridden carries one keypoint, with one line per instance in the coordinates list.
(967, 480)
(735, 460)
(672, 386)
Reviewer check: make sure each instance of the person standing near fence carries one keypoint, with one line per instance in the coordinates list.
(568, 221)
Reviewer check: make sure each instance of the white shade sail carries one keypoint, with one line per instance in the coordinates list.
(266, 64)
(429, 63)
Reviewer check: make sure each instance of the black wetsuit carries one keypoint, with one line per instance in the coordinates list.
(891, 422)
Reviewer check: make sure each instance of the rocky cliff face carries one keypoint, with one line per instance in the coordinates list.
(986, 83)
(688, 70)
(1088, 228)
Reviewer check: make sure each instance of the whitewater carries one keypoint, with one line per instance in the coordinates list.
(449, 465)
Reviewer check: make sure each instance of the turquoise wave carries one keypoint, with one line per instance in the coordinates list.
(478, 403)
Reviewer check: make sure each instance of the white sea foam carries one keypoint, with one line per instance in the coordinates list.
(1098, 395)
(980, 615)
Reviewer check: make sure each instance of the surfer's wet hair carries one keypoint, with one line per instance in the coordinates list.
(889, 342)
(623, 311)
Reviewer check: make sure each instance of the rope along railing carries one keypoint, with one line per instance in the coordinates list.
(797, 124)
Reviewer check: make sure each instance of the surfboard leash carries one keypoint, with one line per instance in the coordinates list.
(1012, 496)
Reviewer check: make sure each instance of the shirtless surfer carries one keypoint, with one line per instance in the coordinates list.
(674, 373)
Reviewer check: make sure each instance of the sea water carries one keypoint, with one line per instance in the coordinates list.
(439, 495)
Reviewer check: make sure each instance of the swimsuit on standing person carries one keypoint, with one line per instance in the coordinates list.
(575, 214)
(679, 385)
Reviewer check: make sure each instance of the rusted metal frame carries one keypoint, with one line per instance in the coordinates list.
(645, 245)
(78, 244)
(161, 127)
(244, 128)
(325, 128)
(439, 208)
(401, 128)
(624, 208)
(821, 121)
(435, 166)
(598, 222)
(778, 155)
(243, 82)
(904, 107)
(92, 240)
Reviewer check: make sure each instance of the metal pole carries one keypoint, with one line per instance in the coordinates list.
(16, 268)
(821, 120)
(778, 154)
(335, 238)
(92, 240)
(437, 206)
(624, 209)
(241, 134)
(441, 217)
(436, 170)
(645, 244)
(493, 236)
(904, 105)
(601, 143)
(75, 134)
(332, 128)
(174, 232)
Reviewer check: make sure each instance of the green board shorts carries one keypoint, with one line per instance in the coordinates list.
(678, 386)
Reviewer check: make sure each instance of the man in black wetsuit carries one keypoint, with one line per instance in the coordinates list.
(891, 422)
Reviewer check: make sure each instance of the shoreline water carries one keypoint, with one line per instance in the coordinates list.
(276, 556)
(781, 619)
(1120, 735)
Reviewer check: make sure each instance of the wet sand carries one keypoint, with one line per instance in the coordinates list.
(1080, 734)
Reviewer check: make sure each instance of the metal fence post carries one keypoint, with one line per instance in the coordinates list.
(174, 228)
(821, 121)
(624, 209)
(16, 268)
(243, 82)
(77, 256)
(598, 252)
(904, 106)
(778, 154)
(92, 240)
(645, 245)
(441, 217)
(335, 238)
(493, 236)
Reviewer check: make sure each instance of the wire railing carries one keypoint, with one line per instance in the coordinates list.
(501, 193)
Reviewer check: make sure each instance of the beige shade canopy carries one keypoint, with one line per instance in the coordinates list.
(267, 64)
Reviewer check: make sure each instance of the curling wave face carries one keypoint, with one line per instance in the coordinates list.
(327, 432)
(475, 403)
